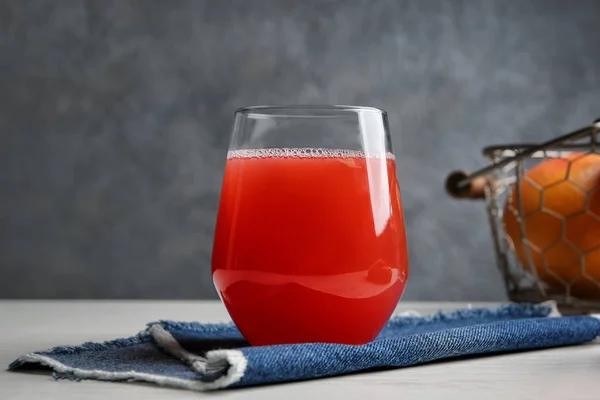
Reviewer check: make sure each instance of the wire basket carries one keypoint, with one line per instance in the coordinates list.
(543, 204)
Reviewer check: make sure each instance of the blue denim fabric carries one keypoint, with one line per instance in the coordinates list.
(175, 353)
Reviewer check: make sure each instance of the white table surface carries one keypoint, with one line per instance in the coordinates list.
(561, 374)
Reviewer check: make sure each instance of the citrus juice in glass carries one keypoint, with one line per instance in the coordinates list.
(310, 243)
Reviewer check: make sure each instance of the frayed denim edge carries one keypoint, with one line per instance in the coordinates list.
(219, 368)
(142, 337)
(525, 310)
(234, 360)
(77, 373)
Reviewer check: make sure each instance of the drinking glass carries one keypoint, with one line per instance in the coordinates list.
(310, 243)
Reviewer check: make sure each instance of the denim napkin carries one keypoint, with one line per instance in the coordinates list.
(196, 356)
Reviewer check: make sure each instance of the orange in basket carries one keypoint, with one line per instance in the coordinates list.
(560, 214)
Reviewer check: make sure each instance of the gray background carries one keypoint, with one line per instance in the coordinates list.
(115, 117)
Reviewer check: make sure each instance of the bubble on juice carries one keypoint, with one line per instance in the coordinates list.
(305, 153)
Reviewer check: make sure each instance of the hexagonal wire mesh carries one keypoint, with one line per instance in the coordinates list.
(543, 203)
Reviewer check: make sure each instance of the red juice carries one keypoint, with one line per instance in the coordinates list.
(309, 245)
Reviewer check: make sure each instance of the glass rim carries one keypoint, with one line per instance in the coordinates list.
(273, 110)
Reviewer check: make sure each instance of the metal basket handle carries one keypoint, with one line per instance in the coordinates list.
(464, 185)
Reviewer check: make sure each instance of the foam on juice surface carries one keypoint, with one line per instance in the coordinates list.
(306, 152)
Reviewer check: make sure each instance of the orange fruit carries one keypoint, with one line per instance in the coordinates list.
(559, 215)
